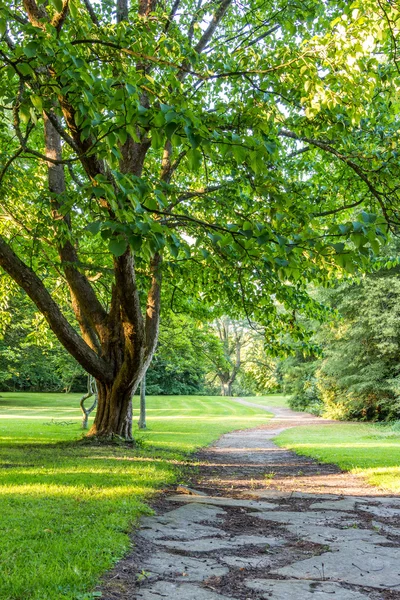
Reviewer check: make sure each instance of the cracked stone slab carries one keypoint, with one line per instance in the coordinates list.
(186, 568)
(185, 591)
(210, 544)
(154, 530)
(381, 511)
(196, 513)
(346, 504)
(276, 589)
(221, 501)
(243, 562)
(385, 528)
(356, 563)
(335, 537)
(305, 518)
(183, 523)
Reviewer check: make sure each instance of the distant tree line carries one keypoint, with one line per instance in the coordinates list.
(193, 357)
(356, 373)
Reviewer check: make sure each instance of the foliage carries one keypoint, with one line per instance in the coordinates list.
(299, 379)
(232, 120)
(358, 374)
(370, 450)
(67, 508)
(31, 358)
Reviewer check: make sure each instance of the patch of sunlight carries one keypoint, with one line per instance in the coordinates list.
(327, 445)
(41, 417)
(80, 493)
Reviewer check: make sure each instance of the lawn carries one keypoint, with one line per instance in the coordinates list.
(66, 507)
(371, 450)
(273, 400)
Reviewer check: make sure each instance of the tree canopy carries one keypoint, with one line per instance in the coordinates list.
(238, 151)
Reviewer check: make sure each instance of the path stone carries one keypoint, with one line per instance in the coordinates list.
(333, 537)
(217, 501)
(358, 563)
(183, 523)
(209, 545)
(255, 562)
(384, 528)
(283, 525)
(303, 519)
(173, 591)
(185, 568)
(381, 511)
(275, 589)
(344, 504)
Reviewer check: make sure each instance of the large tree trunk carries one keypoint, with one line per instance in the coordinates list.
(114, 411)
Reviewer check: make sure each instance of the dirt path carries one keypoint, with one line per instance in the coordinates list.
(266, 523)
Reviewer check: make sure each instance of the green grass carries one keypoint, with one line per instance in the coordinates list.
(370, 450)
(66, 508)
(273, 400)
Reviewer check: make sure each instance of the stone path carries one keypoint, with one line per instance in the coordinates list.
(262, 522)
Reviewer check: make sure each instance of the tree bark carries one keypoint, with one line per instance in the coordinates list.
(114, 411)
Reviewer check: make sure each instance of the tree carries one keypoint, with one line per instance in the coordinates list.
(214, 144)
(233, 336)
(359, 375)
(91, 391)
(31, 357)
(355, 374)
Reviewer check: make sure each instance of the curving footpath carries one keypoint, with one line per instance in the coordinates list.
(261, 522)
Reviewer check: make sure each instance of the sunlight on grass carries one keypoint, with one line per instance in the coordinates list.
(370, 450)
(67, 507)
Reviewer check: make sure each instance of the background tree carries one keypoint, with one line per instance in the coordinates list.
(214, 144)
(234, 336)
(31, 358)
(356, 374)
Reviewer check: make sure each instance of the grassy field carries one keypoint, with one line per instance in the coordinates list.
(271, 400)
(66, 508)
(371, 450)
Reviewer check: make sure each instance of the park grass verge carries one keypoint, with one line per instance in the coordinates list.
(370, 450)
(66, 507)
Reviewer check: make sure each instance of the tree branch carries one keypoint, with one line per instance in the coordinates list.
(34, 287)
(77, 281)
(91, 12)
(215, 21)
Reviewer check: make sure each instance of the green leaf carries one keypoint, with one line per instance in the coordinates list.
(194, 157)
(30, 49)
(194, 139)
(339, 247)
(94, 227)
(25, 69)
(368, 217)
(131, 89)
(58, 5)
(135, 242)
(37, 102)
(170, 129)
(73, 8)
(117, 246)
